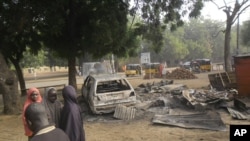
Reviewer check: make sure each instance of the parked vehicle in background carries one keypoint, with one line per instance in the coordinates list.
(195, 66)
(205, 64)
(103, 92)
(186, 65)
(95, 67)
(201, 65)
(152, 69)
(133, 69)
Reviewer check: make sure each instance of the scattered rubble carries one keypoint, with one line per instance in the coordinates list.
(177, 105)
(164, 86)
(236, 114)
(163, 100)
(209, 120)
(205, 97)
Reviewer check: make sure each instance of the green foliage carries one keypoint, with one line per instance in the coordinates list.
(198, 5)
(97, 27)
(245, 36)
(198, 38)
(17, 29)
(176, 47)
(31, 60)
(157, 15)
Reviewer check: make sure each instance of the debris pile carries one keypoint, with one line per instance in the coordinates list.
(204, 99)
(180, 73)
(173, 104)
(164, 86)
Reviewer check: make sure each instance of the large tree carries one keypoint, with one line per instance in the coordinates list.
(232, 14)
(9, 89)
(17, 32)
(100, 27)
(73, 28)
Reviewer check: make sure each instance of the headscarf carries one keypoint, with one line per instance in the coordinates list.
(71, 120)
(53, 109)
(27, 102)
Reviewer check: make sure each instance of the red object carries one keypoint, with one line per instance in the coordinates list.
(27, 102)
(242, 68)
(161, 68)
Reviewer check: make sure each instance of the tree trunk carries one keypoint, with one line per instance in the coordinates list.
(9, 89)
(19, 73)
(72, 71)
(227, 54)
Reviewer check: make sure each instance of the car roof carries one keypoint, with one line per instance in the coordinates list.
(133, 64)
(203, 59)
(105, 77)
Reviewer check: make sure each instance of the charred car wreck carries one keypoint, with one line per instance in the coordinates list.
(103, 92)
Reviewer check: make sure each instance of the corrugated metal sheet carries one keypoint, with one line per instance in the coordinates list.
(236, 114)
(242, 68)
(124, 113)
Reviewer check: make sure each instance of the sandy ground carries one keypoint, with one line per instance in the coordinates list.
(136, 130)
(144, 130)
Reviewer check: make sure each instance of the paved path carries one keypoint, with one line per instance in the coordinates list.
(54, 78)
(49, 79)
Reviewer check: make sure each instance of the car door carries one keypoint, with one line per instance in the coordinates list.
(85, 88)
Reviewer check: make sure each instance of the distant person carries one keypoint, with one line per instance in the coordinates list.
(33, 95)
(71, 120)
(181, 64)
(161, 69)
(138, 69)
(43, 131)
(52, 105)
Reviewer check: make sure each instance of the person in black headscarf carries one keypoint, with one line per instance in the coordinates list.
(36, 117)
(52, 105)
(71, 121)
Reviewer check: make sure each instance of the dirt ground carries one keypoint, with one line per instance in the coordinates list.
(145, 130)
(135, 130)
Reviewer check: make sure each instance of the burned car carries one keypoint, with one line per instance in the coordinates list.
(103, 92)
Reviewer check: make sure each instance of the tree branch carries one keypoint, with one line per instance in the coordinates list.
(239, 13)
(225, 3)
(223, 31)
(137, 2)
(218, 5)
